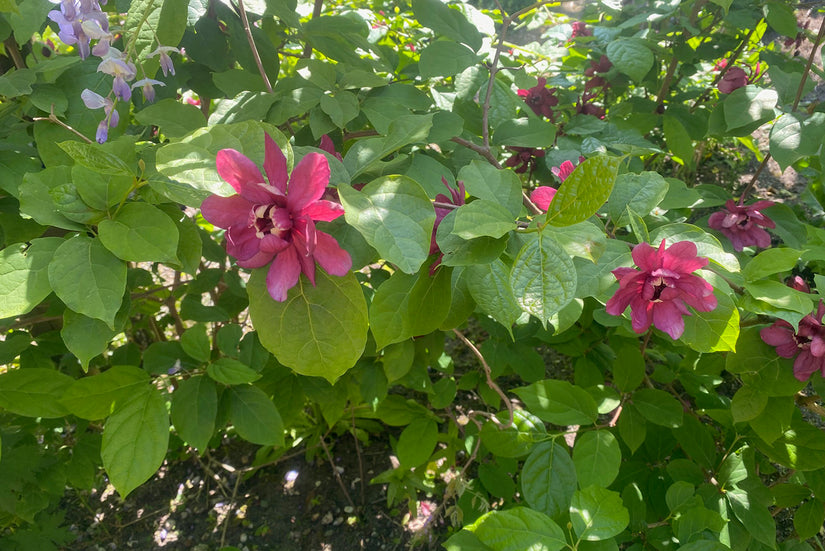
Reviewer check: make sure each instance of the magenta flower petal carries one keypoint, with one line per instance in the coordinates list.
(260, 260)
(323, 211)
(275, 164)
(242, 242)
(329, 254)
(542, 196)
(242, 174)
(283, 274)
(681, 257)
(308, 181)
(667, 317)
(225, 211)
(743, 224)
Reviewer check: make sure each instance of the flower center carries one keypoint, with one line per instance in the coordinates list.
(270, 220)
(659, 285)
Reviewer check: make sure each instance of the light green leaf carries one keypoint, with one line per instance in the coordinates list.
(34, 392)
(366, 154)
(583, 192)
(231, 372)
(755, 517)
(706, 244)
(518, 439)
(597, 457)
(760, 367)
(88, 279)
(489, 285)
(94, 158)
(548, 479)
(140, 232)
(483, 218)
(92, 397)
(795, 136)
(485, 181)
(749, 105)
(543, 277)
(714, 331)
(445, 58)
(194, 409)
(255, 416)
(518, 529)
(559, 402)
(135, 440)
(85, 337)
(641, 192)
(631, 56)
(525, 132)
(781, 296)
(175, 119)
(769, 262)
(658, 407)
(395, 216)
(446, 21)
(24, 278)
(318, 331)
(598, 514)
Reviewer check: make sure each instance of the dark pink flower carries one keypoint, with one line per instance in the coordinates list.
(565, 169)
(540, 98)
(523, 158)
(603, 65)
(542, 196)
(721, 64)
(580, 29)
(734, 78)
(743, 224)
(327, 145)
(456, 198)
(662, 288)
(273, 220)
(796, 282)
(808, 341)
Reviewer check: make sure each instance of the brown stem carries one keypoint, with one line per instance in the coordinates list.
(255, 54)
(14, 51)
(316, 12)
(810, 403)
(336, 473)
(484, 151)
(361, 471)
(53, 118)
(808, 66)
(753, 179)
(488, 373)
(671, 70)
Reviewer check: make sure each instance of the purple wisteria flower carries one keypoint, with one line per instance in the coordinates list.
(165, 61)
(273, 219)
(147, 88)
(72, 16)
(111, 117)
(660, 290)
(808, 341)
(743, 224)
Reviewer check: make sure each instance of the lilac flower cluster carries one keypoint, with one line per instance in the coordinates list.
(82, 21)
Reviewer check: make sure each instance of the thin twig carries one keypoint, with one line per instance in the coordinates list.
(808, 66)
(316, 12)
(361, 471)
(480, 149)
(248, 30)
(53, 118)
(14, 51)
(231, 507)
(336, 473)
(488, 373)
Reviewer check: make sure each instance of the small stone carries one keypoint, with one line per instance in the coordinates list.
(327, 518)
(349, 509)
(339, 521)
(243, 538)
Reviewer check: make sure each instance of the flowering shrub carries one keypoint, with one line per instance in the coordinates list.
(307, 217)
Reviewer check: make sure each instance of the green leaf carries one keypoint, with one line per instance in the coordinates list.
(756, 518)
(760, 367)
(749, 105)
(641, 192)
(464, 540)
(628, 368)
(518, 529)
(17, 82)
(135, 440)
(195, 343)
(405, 306)
(632, 427)
(92, 397)
(583, 192)
(255, 417)
(714, 331)
(24, 278)
(800, 447)
(140, 232)
(366, 154)
(458, 251)
(175, 119)
(447, 22)
(445, 58)
(318, 331)
(341, 108)
(658, 407)
(559, 402)
(395, 216)
(88, 279)
(149, 22)
(679, 494)
(585, 240)
(795, 136)
(678, 140)
(543, 277)
(781, 296)
(94, 158)
(598, 514)
(489, 285)
(85, 337)
(36, 199)
(548, 479)
(525, 132)
(417, 442)
(631, 56)
(231, 372)
(194, 409)
(781, 18)
(597, 457)
(808, 518)
(747, 404)
(485, 181)
(483, 218)
(100, 191)
(34, 392)
(769, 262)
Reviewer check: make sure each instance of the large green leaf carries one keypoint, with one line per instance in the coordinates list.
(255, 416)
(175, 119)
(559, 402)
(447, 22)
(631, 56)
(405, 306)
(94, 158)
(525, 132)
(754, 516)
(518, 529)
(658, 407)
(366, 154)
(318, 331)
(794, 136)
(489, 285)
(714, 331)
(598, 514)
(583, 192)
(135, 440)
(641, 192)
(769, 262)
(34, 392)
(92, 397)
(395, 216)
(140, 232)
(485, 181)
(88, 278)
(194, 408)
(597, 457)
(85, 337)
(760, 367)
(417, 442)
(543, 277)
(24, 278)
(445, 58)
(518, 439)
(483, 219)
(548, 479)
(749, 105)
